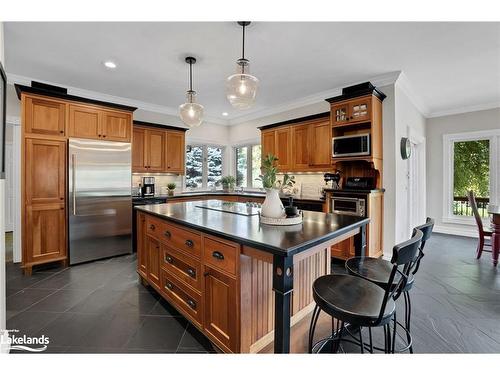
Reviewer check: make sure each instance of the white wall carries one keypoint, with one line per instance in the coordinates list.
(436, 128)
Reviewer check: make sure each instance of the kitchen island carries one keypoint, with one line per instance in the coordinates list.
(242, 283)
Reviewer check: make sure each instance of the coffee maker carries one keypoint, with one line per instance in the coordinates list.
(148, 187)
(334, 178)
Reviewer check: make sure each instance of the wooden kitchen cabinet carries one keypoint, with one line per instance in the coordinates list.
(84, 122)
(175, 152)
(300, 147)
(158, 150)
(44, 116)
(142, 254)
(320, 144)
(116, 126)
(45, 171)
(283, 148)
(352, 111)
(153, 253)
(221, 309)
(267, 142)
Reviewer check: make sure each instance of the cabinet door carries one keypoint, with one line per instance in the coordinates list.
(139, 150)
(44, 116)
(116, 126)
(142, 254)
(45, 171)
(155, 150)
(321, 144)
(221, 309)
(175, 152)
(283, 149)
(153, 255)
(45, 232)
(84, 122)
(268, 141)
(300, 147)
(360, 110)
(339, 114)
(343, 249)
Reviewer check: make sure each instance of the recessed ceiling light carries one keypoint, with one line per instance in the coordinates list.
(109, 64)
(225, 114)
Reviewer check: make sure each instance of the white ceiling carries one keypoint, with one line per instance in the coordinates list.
(450, 66)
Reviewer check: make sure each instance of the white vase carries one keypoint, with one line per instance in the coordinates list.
(272, 206)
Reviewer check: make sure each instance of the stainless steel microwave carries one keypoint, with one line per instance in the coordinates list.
(351, 145)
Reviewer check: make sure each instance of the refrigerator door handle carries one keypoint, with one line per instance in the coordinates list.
(73, 182)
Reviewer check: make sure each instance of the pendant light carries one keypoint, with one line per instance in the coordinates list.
(191, 113)
(241, 87)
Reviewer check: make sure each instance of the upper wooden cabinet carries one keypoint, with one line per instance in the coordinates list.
(352, 111)
(157, 150)
(45, 171)
(175, 152)
(116, 126)
(320, 144)
(301, 146)
(44, 116)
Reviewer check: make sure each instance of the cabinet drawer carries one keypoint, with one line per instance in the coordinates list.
(220, 255)
(153, 226)
(183, 267)
(182, 297)
(181, 239)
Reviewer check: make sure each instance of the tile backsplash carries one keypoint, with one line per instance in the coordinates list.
(161, 182)
(308, 184)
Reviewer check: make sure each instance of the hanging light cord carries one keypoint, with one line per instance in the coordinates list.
(243, 49)
(190, 76)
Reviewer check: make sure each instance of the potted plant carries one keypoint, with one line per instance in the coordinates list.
(228, 183)
(272, 206)
(171, 187)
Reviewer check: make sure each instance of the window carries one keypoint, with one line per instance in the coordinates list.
(247, 166)
(471, 161)
(204, 165)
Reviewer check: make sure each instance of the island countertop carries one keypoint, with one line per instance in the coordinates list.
(317, 227)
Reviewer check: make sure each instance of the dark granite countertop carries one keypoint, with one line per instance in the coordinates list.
(251, 194)
(316, 228)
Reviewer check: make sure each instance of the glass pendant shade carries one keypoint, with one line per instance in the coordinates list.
(241, 88)
(191, 113)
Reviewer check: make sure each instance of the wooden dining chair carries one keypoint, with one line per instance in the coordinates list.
(484, 233)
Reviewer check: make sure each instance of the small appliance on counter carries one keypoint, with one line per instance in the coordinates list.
(334, 178)
(359, 183)
(148, 187)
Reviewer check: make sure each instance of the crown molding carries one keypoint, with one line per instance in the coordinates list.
(23, 80)
(472, 108)
(404, 84)
(379, 81)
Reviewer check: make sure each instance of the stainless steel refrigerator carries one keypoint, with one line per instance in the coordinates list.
(100, 199)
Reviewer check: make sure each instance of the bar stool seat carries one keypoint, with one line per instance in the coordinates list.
(352, 299)
(376, 270)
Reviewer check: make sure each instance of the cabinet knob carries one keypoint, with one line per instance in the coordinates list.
(191, 304)
(61, 131)
(218, 255)
(152, 227)
(167, 234)
(189, 243)
(169, 259)
(191, 273)
(61, 198)
(104, 136)
(170, 286)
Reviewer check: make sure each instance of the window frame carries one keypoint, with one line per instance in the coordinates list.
(204, 172)
(493, 136)
(249, 146)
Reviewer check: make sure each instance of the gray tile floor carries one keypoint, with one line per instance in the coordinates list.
(101, 306)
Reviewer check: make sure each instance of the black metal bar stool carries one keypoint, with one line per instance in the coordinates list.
(378, 270)
(354, 301)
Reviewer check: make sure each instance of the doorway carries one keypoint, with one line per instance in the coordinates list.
(416, 184)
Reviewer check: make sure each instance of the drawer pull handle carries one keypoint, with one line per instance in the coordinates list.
(189, 243)
(167, 234)
(169, 259)
(191, 273)
(170, 286)
(152, 227)
(191, 304)
(218, 255)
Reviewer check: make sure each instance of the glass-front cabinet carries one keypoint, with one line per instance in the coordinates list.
(352, 111)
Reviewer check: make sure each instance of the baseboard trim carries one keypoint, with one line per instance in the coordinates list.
(465, 232)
